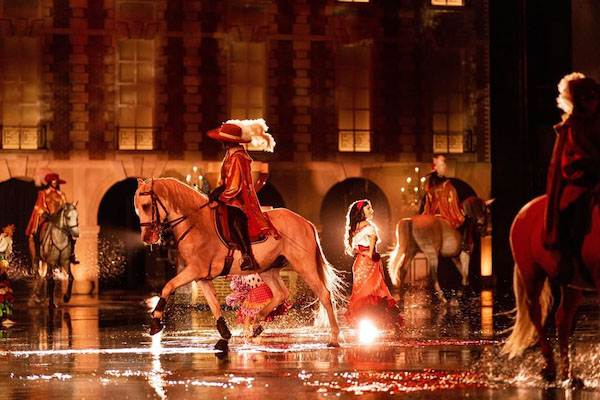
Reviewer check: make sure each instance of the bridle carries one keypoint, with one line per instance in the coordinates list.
(156, 224)
(67, 228)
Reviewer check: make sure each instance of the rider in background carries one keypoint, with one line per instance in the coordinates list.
(6, 294)
(441, 198)
(574, 171)
(236, 188)
(49, 199)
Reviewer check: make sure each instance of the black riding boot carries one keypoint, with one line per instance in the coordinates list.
(238, 226)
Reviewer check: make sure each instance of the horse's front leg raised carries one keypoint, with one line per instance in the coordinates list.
(210, 294)
(189, 274)
(571, 298)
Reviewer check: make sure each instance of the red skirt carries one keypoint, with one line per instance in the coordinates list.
(370, 296)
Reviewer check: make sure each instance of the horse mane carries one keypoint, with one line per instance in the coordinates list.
(182, 197)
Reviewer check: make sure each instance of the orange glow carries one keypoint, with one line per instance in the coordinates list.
(486, 256)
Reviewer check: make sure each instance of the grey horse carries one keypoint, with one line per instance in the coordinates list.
(435, 237)
(55, 249)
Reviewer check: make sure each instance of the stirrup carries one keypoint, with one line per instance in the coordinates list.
(249, 264)
(73, 260)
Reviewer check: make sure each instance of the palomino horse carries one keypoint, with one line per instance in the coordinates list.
(168, 203)
(534, 265)
(434, 236)
(55, 251)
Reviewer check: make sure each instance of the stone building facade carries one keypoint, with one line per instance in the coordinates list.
(105, 90)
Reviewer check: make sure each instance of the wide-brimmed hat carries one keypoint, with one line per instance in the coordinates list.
(54, 177)
(230, 133)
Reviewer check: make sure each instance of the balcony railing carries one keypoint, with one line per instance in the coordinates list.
(137, 138)
(454, 142)
(23, 137)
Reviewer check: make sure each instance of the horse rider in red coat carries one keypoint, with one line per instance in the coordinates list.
(441, 198)
(236, 188)
(49, 199)
(574, 171)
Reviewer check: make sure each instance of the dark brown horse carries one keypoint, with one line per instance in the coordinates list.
(534, 265)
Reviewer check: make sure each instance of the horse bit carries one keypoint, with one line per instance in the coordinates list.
(165, 224)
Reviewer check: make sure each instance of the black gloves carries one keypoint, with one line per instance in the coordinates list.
(214, 195)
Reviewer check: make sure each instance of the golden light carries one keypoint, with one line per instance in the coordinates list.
(486, 255)
(487, 314)
(416, 169)
(195, 169)
(367, 332)
(423, 179)
(402, 190)
(408, 179)
(188, 178)
(151, 302)
(416, 189)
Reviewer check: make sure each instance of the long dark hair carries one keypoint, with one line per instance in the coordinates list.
(353, 218)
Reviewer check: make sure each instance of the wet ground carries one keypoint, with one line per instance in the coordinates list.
(99, 348)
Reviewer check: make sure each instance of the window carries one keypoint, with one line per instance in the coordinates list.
(21, 60)
(135, 100)
(449, 133)
(448, 3)
(353, 91)
(247, 79)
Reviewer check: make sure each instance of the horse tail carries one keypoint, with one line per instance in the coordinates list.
(523, 330)
(398, 254)
(333, 281)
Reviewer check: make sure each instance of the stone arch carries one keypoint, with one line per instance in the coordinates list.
(269, 196)
(120, 231)
(16, 204)
(333, 212)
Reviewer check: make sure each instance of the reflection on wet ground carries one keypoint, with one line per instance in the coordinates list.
(99, 348)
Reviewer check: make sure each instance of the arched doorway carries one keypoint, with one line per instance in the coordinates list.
(269, 196)
(16, 204)
(121, 253)
(333, 217)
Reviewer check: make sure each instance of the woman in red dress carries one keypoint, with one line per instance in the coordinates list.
(370, 296)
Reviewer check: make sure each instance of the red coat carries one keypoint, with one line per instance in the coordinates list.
(442, 199)
(236, 175)
(574, 167)
(48, 200)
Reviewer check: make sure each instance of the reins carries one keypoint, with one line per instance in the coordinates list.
(156, 224)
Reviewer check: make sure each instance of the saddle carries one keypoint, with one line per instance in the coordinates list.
(220, 215)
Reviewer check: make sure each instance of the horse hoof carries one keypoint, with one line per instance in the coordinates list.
(257, 331)
(549, 374)
(223, 329)
(66, 298)
(577, 383)
(156, 326)
(334, 345)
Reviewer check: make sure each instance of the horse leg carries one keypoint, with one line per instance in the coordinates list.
(571, 298)
(50, 286)
(533, 289)
(67, 295)
(183, 278)
(280, 293)
(210, 294)
(320, 290)
(433, 275)
(462, 265)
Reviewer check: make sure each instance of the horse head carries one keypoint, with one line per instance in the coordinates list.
(478, 211)
(70, 219)
(146, 206)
